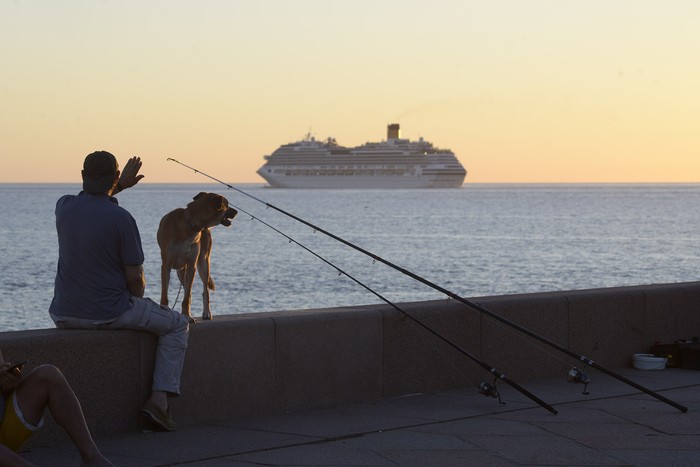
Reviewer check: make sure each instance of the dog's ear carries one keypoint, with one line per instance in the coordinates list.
(199, 195)
(223, 205)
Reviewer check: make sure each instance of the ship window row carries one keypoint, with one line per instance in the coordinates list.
(360, 159)
(318, 167)
(375, 163)
(333, 172)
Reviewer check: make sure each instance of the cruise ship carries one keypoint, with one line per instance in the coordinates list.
(394, 163)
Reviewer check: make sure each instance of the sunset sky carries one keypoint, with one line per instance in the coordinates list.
(520, 90)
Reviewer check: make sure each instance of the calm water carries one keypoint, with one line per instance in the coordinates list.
(480, 240)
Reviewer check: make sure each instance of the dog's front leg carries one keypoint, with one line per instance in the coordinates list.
(164, 282)
(206, 311)
(187, 279)
(204, 268)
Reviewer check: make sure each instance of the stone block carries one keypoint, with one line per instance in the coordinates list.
(327, 356)
(512, 348)
(430, 356)
(607, 325)
(672, 312)
(229, 370)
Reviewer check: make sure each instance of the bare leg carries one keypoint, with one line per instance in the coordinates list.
(46, 386)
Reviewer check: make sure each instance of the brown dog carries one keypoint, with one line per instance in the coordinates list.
(185, 245)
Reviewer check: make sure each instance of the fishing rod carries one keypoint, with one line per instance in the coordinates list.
(577, 375)
(484, 388)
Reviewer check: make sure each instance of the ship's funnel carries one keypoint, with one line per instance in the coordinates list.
(393, 131)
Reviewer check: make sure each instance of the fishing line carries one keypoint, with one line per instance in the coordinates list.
(585, 360)
(496, 374)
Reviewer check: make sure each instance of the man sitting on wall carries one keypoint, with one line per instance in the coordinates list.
(100, 281)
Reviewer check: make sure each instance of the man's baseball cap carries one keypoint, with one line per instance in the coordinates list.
(99, 169)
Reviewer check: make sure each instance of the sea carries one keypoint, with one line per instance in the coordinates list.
(301, 249)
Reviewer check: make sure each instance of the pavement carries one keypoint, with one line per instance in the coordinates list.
(615, 424)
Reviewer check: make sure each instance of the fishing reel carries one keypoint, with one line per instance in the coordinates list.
(489, 390)
(578, 376)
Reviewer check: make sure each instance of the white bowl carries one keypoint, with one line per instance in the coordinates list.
(647, 361)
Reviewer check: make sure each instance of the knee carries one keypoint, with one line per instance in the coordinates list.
(49, 374)
(177, 329)
(183, 324)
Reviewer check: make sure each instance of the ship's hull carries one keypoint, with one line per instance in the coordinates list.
(362, 181)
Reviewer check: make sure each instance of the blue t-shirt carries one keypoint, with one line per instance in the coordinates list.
(96, 239)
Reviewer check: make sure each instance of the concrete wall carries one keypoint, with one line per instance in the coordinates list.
(241, 365)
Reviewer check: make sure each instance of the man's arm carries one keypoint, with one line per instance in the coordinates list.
(135, 280)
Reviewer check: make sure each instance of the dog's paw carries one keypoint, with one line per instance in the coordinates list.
(206, 317)
(191, 320)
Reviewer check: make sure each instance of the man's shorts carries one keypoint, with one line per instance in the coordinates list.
(14, 429)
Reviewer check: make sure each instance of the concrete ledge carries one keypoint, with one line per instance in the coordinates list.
(254, 364)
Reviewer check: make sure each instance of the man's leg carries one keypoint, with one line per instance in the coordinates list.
(172, 329)
(45, 387)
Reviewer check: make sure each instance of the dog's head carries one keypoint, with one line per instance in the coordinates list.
(212, 209)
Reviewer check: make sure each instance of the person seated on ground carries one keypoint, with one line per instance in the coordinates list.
(22, 405)
(100, 283)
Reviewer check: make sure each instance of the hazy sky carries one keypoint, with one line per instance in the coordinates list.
(521, 90)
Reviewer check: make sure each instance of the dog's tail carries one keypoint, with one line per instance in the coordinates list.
(210, 284)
